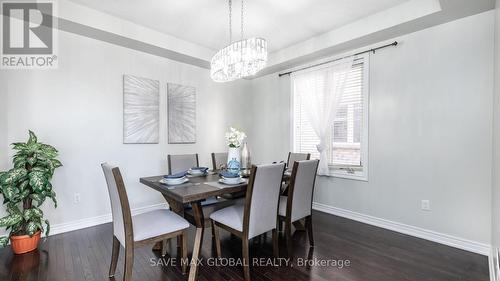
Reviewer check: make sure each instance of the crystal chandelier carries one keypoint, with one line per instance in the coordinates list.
(240, 59)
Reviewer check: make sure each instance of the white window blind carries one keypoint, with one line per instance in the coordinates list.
(347, 131)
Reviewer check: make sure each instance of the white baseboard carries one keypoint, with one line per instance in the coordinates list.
(93, 221)
(449, 240)
(494, 260)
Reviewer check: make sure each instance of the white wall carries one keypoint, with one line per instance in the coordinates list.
(496, 141)
(3, 130)
(78, 109)
(430, 131)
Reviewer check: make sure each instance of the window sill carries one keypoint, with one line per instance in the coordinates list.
(357, 175)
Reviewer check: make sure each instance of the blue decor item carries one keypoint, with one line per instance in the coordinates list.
(234, 166)
(229, 175)
(176, 176)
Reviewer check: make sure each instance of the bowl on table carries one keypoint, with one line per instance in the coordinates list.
(197, 171)
(178, 178)
(230, 178)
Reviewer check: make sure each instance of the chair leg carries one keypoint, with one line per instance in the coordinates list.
(246, 259)
(129, 262)
(288, 236)
(310, 230)
(215, 231)
(114, 256)
(164, 245)
(275, 243)
(184, 259)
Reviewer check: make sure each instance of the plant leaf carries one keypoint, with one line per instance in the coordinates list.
(32, 214)
(11, 220)
(38, 198)
(33, 139)
(4, 240)
(52, 196)
(19, 146)
(12, 176)
(13, 209)
(31, 160)
(48, 186)
(9, 193)
(37, 181)
(56, 163)
(49, 151)
(25, 193)
(19, 161)
(23, 185)
(31, 228)
(47, 229)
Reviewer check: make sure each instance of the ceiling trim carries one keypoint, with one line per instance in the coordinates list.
(119, 40)
(405, 18)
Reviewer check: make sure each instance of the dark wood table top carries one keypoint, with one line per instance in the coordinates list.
(196, 189)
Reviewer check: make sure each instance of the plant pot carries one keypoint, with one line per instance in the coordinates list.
(24, 243)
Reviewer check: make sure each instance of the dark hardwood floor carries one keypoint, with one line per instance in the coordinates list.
(373, 253)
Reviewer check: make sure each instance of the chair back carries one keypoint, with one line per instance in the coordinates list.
(261, 204)
(292, 157)
(218, 159)
(120, 208)
(300, 192)
(181, 162)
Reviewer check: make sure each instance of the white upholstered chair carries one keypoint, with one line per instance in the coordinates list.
(257, 215)
(298, 202)
(132, 231)
(181, 162)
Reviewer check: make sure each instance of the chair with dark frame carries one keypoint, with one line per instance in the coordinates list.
(134, 231)
(218, 160)
(183, 162)
(297, 204)
(256, 215)
(293, 156)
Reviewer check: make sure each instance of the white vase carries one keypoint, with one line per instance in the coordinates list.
(234, 152)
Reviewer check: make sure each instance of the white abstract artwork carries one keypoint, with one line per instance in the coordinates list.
(141, 110)
(181, 113)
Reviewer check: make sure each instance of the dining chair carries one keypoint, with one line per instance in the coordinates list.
(219, 159)
(298, 202)
(182, 162)
(132, 231)
(257, 215)
(293, 156)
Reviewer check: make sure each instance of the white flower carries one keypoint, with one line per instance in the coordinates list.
(234, 138)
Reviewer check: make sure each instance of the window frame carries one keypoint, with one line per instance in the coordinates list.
(353, 172)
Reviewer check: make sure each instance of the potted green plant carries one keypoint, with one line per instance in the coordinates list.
(25, 188)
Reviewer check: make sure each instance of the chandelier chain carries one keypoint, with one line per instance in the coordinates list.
(230, 2)
(242, 18)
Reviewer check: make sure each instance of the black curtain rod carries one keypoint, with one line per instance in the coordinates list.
(395, 43)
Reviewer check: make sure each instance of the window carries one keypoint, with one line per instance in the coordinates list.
(348, 137)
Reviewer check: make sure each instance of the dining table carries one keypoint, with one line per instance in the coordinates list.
(192, 194)
(186, 199)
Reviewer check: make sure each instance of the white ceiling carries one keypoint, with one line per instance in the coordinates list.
(205, 22)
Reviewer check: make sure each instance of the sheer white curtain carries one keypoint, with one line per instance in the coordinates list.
(320, 90)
